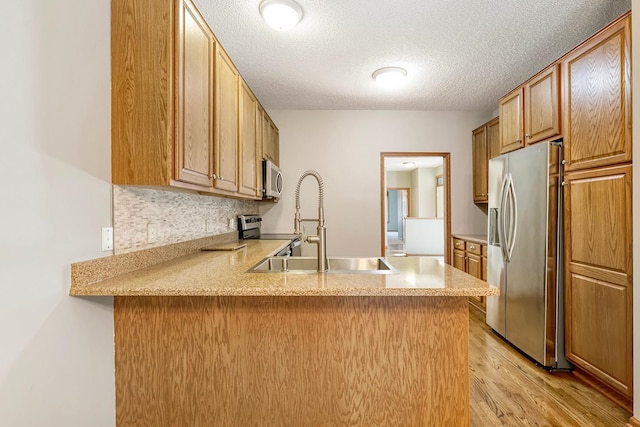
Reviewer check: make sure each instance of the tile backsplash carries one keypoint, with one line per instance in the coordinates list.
(171, 216)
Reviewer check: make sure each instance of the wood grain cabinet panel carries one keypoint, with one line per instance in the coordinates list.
(480, 165)
(249, 131)
(459, 260)
(226, 123)
(470, 257)
(195, 98)
(598, 99)
(598, 274)
(542, 105)
(511, 128)
(493, 138)
(270, 140)
(175, 103)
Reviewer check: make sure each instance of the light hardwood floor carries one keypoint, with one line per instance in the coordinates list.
(509, 389)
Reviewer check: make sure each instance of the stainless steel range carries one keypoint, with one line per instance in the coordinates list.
(249, 228)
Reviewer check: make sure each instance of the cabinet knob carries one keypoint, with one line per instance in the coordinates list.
(564, 162)
(518, 140)
(220, 178)
(213, 176)
(564, 183)
(528, 136)
(472, 247)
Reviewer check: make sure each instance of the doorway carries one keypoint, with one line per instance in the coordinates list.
(398, 208)
(415, 204)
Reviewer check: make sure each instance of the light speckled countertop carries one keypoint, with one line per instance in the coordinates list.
(225, 274)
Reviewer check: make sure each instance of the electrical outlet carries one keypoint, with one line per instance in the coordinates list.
(107, 239)
(152, 233)
(232, 223)
(209, 224)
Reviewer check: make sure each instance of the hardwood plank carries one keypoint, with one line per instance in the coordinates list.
(507, 388)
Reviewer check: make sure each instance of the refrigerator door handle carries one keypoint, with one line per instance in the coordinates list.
(502, 217)
(513, 218)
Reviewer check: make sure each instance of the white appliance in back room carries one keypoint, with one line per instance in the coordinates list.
(524, 240)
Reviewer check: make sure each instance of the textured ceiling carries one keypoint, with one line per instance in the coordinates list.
(460, 54)
(394, 164)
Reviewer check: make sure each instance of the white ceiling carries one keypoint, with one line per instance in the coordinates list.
(460, 54)
(395, 163)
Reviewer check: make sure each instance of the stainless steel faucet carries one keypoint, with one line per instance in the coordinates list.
(320, 239)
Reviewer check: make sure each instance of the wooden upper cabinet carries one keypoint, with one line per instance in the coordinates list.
(226, 123)
(480, 165)
(511, 129)
(493, 137)
(542, 105)
(194, 140)
(249, 160)
(175, 103)
(270, 140)
(597, 78)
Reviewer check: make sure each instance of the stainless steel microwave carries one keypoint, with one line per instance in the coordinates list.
(272, 180)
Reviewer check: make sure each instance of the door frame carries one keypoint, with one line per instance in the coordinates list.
(446, 172)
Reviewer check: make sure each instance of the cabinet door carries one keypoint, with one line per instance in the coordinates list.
(248, 142)
(480, 165)
(474, 267)
(493, 138)
(195, 53)
(597, 75)
(268, 139)
(459, 260)
(274, 143)
(259, 156)
(511, 131)
(598, 272)
(542, 106)
(226, 120)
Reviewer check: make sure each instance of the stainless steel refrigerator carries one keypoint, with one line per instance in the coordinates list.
(524, 240)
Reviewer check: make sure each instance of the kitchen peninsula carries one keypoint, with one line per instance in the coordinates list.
(200, 341)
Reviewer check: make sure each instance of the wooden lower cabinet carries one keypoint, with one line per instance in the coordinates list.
(598, 274)
(291, 361)
(471, 258)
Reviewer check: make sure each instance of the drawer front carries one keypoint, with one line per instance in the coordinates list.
(459, 244)
(474, 248)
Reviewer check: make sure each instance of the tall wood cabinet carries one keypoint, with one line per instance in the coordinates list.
(194, 60)
(598, 274)
(176, 104)
(250, 133)
(485, 145)
(598, 100)
(597, 198)
(480, 165)
(270, 140)
(226, 123)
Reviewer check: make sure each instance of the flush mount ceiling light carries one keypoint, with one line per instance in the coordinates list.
(408, 164)
(389, 77)
(281, 14)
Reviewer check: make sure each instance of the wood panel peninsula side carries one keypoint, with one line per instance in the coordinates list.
(200, 341)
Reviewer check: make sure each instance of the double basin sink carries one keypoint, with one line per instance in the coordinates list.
(309, 265)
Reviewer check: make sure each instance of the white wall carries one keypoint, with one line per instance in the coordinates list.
(344, 147)
(396, 179)
(56, 357)
(427, 192)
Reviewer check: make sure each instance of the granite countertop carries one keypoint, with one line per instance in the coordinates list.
(481, 239)
(225, 274)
